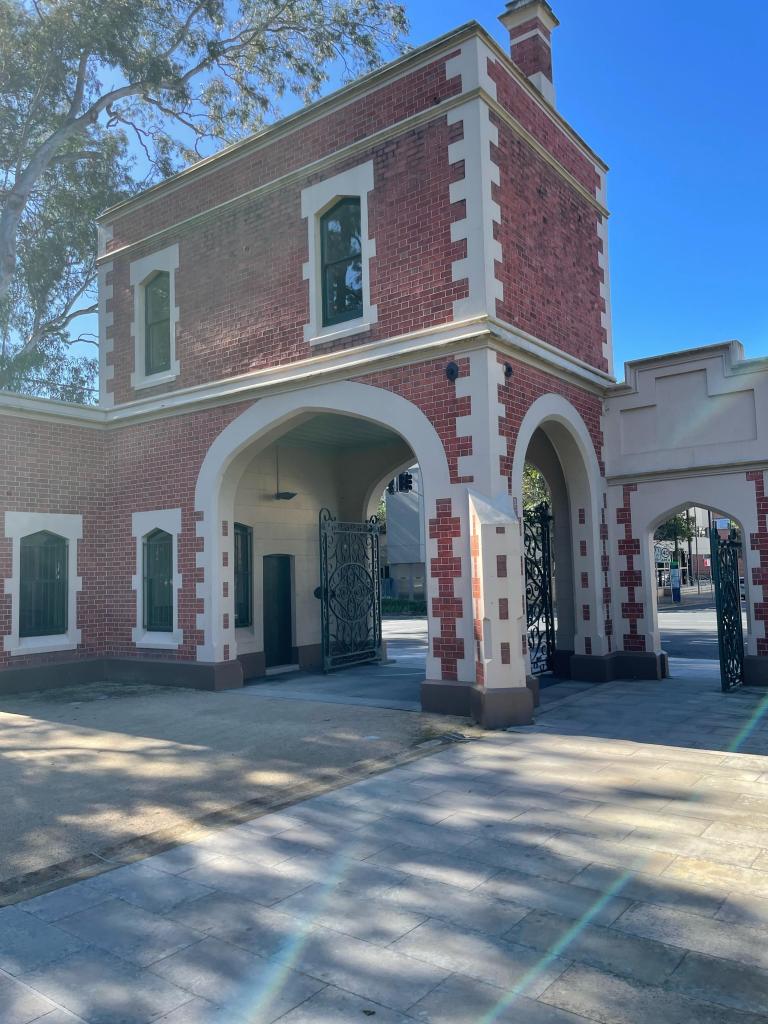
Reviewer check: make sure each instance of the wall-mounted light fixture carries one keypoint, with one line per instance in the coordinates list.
(452, 371)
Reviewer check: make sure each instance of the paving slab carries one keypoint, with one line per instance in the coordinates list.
(574, 871)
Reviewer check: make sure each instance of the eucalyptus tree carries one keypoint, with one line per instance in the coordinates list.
(100, 96)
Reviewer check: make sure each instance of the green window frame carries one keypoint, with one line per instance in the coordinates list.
(243, 576)
(43, 591)
(157, 323)
(342, 262)
(158, 582)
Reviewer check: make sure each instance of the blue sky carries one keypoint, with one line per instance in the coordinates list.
(673, 96)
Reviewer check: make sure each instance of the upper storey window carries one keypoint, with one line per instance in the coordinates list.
(342, 263)
(340, 250)
(155, 316)
(157, 323)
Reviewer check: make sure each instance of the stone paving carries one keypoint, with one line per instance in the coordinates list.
(608, 864)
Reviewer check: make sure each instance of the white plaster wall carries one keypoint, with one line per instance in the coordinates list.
(688, 411)
(287, 528)
(655, 501)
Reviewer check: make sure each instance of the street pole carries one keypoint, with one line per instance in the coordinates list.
(690, 549)
(696, 538)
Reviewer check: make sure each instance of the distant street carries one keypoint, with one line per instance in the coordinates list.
(689, 629)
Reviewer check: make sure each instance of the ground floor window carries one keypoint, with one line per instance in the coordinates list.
(43, 585)
(158, 582)
(243, 576)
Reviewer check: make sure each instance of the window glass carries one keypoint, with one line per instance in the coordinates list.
(243, 576)
(43, 585)
(342, 267)
(158, 582)
(157, 323)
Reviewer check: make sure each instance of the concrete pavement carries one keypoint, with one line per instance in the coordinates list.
(608, 864)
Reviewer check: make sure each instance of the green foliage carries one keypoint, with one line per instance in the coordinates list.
(81, 79)
(679, 528)
(535, 489)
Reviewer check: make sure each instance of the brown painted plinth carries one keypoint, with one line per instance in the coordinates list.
(225, 675)
(444, 697)
(490, 708)
(561, 664)
(592, 668)
(755, 670)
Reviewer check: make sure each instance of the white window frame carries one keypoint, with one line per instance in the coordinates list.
(141, 272)
(23, 524)
(142, 523)
(355, 183)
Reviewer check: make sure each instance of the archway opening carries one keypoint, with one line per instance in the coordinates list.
(680, 555)
(560, 546)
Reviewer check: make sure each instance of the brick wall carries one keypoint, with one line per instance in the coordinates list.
(51, 467)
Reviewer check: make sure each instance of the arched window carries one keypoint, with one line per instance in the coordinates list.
(342, 267)
(158, 582)
(43, 585)
(157, 323)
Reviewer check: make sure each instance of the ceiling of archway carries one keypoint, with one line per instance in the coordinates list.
(331, 430)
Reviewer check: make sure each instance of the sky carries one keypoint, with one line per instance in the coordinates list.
(674, 97)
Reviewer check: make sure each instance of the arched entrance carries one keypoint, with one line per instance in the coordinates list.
(271, 471)
(554, 439)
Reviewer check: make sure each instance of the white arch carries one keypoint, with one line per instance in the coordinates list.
(575, 449)
(262, 422)
(729, 493)
(556, 409)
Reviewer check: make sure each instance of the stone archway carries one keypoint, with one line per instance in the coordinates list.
(554, 437)
(252, 433)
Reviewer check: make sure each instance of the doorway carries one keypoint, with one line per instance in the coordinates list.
(278, 611)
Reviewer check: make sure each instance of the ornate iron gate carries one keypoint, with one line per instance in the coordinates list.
(538, 587)
(730, 635)
(349, 591)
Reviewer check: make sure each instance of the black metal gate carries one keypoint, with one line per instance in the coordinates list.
(730, 635)
(538, 587)
(349, 592)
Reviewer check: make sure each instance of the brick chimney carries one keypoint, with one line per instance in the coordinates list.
(530, 24)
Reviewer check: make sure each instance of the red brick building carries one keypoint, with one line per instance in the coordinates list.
(414, 268)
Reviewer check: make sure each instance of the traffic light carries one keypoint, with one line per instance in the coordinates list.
(405, 482)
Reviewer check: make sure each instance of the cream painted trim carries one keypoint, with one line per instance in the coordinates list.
(142, 523)
(391, 72)
(355, 183)
(402, 350)
(512, 122)
(22, 524)
(165, 260)
(106, 342)
(235, 446)
(534, 32)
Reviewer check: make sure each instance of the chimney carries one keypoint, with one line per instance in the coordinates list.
(530, 24)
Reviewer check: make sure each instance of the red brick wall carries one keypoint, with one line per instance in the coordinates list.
(51, 467)
(243, 301)
(550, 247)
(517, 100)
(522, 389)
(392, 102)
(633, 609)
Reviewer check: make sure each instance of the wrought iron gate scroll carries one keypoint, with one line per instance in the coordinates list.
(730, 634)
(538, 587)
(349, 591)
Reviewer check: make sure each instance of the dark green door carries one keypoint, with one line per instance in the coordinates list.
(278, 614)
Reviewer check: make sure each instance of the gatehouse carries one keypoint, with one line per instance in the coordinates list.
(413, 270)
